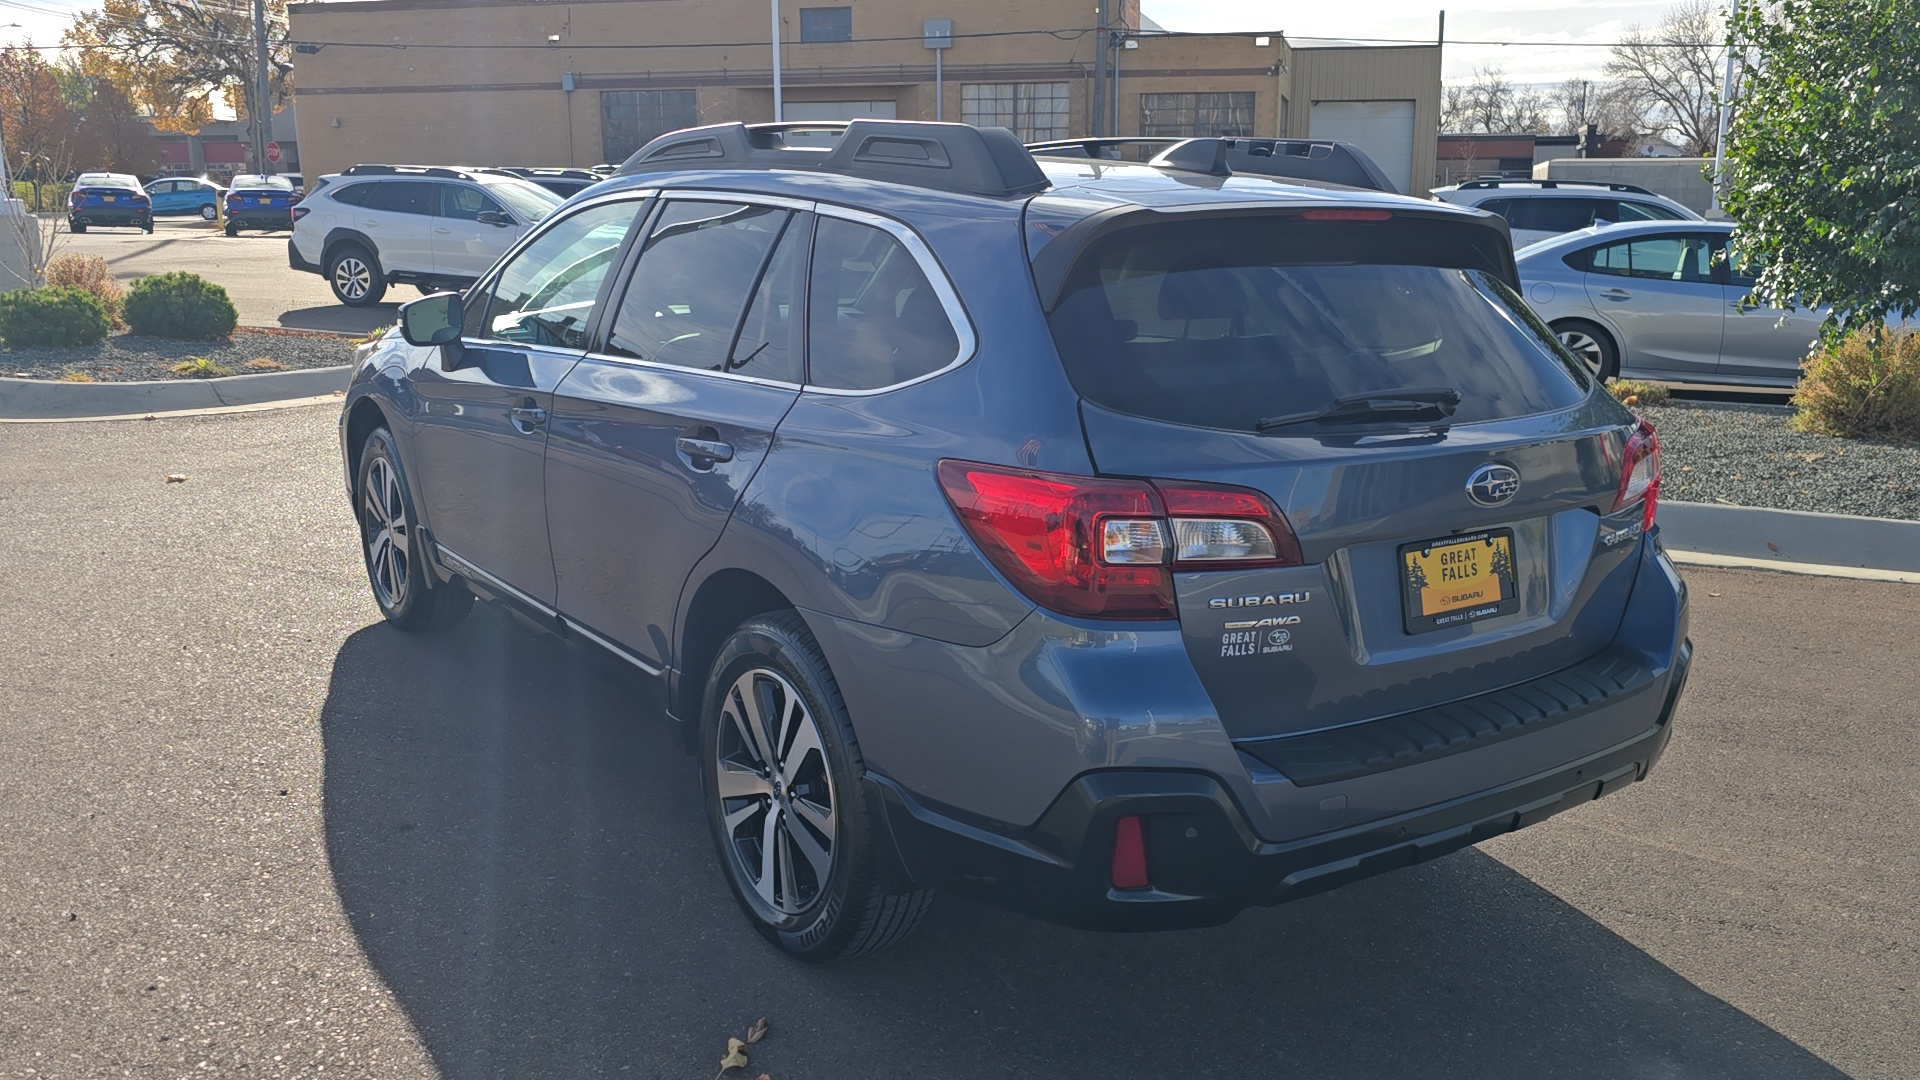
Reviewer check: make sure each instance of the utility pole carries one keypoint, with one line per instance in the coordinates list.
(1726, 106)
(263, 90)
(778, 115)
(1101, 41)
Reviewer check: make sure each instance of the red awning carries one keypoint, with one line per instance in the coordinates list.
(174, 152)
(224, 153)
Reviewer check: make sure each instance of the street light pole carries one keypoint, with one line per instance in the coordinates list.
(263, 91)
(777, 112)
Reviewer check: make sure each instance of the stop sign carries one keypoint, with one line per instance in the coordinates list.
(273, 152)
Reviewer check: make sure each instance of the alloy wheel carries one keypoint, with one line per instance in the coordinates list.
(208, 213)
(776, 792)
(1583, 345)
(383, 523)
(352, 277)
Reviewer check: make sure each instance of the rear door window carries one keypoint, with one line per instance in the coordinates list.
(873, 317)
(1629, 210)
(1656, 258)
(1201, 324)
(404, 197)
(1557, 214)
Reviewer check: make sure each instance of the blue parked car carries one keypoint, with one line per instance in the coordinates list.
(102, 199)
(186, 195)
(260, 202)
(1123, 544)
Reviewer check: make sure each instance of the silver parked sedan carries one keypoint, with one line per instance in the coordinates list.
(1660, 300)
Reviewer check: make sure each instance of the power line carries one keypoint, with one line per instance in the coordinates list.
(1062, 35)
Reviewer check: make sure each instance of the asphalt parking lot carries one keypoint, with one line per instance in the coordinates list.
(252, 267)
(250, 831)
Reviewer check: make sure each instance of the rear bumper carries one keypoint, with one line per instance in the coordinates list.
(1205, 860)
(263, 218)
(109, 216)
(298, 261)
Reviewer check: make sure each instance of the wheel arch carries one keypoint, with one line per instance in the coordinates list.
(348, 236)
(362, 417)
(724, 599)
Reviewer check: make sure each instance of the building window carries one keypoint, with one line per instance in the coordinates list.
(1186, 116)
(629, 119)
(826, 24)
(1035, 112)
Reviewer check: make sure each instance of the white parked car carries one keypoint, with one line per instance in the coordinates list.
(1538, 209)
(375, 225)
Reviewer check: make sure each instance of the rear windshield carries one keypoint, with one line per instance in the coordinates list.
(1222, 323)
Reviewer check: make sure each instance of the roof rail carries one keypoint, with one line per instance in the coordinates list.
(945, 157)
(1295, 159)
(1494, 182)
(407, 170)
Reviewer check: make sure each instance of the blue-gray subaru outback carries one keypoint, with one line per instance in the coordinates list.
(1126, 544)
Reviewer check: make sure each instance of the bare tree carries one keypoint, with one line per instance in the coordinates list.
(1606, 105)
(1671, 74)
(1489, 104)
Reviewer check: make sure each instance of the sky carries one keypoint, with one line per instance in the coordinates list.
(1551, 22)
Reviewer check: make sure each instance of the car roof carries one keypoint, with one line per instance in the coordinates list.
(1579, 238)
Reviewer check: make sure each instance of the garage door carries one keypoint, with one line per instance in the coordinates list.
(1384, 129)
(832, 110)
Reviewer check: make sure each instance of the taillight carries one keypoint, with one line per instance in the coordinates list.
(140, 200)
(1640, 474)
(301, 211)
(75, 198)
(1106, 548)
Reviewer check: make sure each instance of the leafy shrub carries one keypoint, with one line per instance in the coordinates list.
(88, 273)
(180, 305)
(1635, 392)
(54, 315)
(201, 367)
(1867, 383)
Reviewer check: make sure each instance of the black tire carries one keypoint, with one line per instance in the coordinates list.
(1591, 345)
(233, 228)
(768, 666)
(76, 228)
(355, 276)
(209, 213)
(147, 227)
(403, 586)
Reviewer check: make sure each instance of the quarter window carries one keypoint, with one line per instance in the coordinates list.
(873, 319)
(1036, 112)
(700, 267)
(545, 294)
(353, 194)
(826, 24)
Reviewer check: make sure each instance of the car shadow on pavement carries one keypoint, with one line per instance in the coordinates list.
(340, 319)
(517, 839)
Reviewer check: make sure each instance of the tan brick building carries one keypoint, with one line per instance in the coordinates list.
(588, 81)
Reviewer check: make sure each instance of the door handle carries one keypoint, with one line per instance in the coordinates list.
(526, 418)
(444, 232)
(1616, 294)
(709, 451)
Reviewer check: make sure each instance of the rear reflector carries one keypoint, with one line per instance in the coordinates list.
(1129, 854)
(1346, 215)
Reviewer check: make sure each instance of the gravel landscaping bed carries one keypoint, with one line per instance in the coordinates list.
(1750, 457)
(133, 358)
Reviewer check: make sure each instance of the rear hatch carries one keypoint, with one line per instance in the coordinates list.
(1451, 478)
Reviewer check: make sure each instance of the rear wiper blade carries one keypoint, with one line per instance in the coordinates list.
(1420, 403)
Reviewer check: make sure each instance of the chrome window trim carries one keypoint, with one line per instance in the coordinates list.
(466, 568)
(754, 198)
(936, 276)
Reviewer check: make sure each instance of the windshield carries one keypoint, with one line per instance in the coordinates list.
(529, 202)
(1202, 324)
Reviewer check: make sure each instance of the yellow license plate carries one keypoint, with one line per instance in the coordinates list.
(109, 198)
(1457, 579)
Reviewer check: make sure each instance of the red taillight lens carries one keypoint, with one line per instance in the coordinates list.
(75, 199)
(1640, 474)
(1102, 548)
(300, 212)
(1129, 869)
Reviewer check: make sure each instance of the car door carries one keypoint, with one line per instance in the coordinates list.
(463, 245)
(657, 432)
(1658, 291)
(482, 435)
(1760, 343)
(166, 196)
(399, 218)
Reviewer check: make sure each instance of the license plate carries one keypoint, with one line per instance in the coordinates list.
(109, 198)
(1455, 580)
(263, 202)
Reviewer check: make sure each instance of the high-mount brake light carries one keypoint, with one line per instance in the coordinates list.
(1331, 214)
(1108, 548)
(1640, 474)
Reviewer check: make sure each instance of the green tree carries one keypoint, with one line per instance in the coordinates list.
(175, 58)
(1823, 156)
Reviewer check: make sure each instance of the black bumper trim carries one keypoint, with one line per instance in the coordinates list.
(295, 261)
(1394, 742)
(1205, 862)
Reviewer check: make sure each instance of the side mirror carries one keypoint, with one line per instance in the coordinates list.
(497, 218)
(435, 320)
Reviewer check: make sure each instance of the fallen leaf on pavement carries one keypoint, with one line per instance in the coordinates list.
(736, 1056)
(1773, 547)
(758, 1031)
(176, 478)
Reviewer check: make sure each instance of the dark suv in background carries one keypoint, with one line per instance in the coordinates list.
(1123, 544)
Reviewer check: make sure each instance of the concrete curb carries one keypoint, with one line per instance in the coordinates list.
(42, 399)
(1789, 540)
